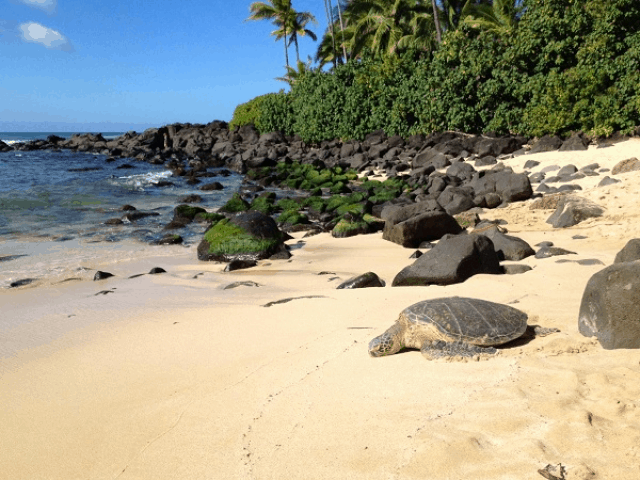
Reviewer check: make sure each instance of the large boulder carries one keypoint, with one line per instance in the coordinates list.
(548, 143)
(630, 252)
(410, 225)
(249, 134)
(404, 210)
(577, 141)
(511, 187)
(625, 166)
(430, 156)
(247, 236)
(456, 199)
(572, 210)
(497, 146)
(452, 260)
(609, 308)
(462, 170)
(508, 247)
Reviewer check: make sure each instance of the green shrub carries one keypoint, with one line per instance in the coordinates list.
(567, 65)
(276, 114)
(247, 113)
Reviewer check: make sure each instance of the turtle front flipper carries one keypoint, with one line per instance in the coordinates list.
(434, 349)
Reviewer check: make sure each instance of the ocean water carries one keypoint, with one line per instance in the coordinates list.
(54, 204)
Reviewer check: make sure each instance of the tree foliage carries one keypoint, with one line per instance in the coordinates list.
(549, 67)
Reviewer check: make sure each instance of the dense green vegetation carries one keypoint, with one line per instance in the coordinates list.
(531, 68)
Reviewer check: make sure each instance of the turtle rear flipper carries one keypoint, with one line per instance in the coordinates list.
(434, 349)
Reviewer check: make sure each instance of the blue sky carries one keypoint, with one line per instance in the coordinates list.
(134, 64)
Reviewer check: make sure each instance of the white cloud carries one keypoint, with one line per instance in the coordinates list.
(36, 33)
(48, 6)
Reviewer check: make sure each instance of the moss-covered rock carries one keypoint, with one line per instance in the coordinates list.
(349, 228)
(208, 217)
(285, 204)
(187, 212)
(336, 201)
(250, 235)
(235, 204)
(292, 217)
(339, 187)
(315, 204)
(384, 195)
(356, 208)
(169, 240)
(264, 203)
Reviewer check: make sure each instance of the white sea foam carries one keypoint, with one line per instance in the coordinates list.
(142, 180)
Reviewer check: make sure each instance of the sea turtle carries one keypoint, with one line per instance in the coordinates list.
(451, 327)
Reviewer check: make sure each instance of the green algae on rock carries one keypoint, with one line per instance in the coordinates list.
(251, 235)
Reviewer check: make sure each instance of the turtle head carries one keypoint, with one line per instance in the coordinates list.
(388, 343)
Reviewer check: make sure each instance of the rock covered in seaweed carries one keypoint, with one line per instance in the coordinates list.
(247, 236)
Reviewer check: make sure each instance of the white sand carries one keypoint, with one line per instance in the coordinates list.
(172, 377)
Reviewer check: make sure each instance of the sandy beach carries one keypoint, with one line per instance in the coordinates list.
(173, 376)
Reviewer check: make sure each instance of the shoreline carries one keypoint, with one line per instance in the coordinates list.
(172, 376)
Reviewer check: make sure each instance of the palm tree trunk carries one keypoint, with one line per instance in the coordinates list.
(436, 20)
(329, 9)
(284, 39)
(344, 49)
(295, 40)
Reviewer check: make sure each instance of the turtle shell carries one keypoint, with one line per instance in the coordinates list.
(469, 320)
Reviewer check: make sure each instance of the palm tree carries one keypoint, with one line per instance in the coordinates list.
(330, 30)
(436, 21)
(499, 18)
(293, 75)
(278, 11)
(340, 7)
(298, 27)
(419, 35)
(381, 25)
